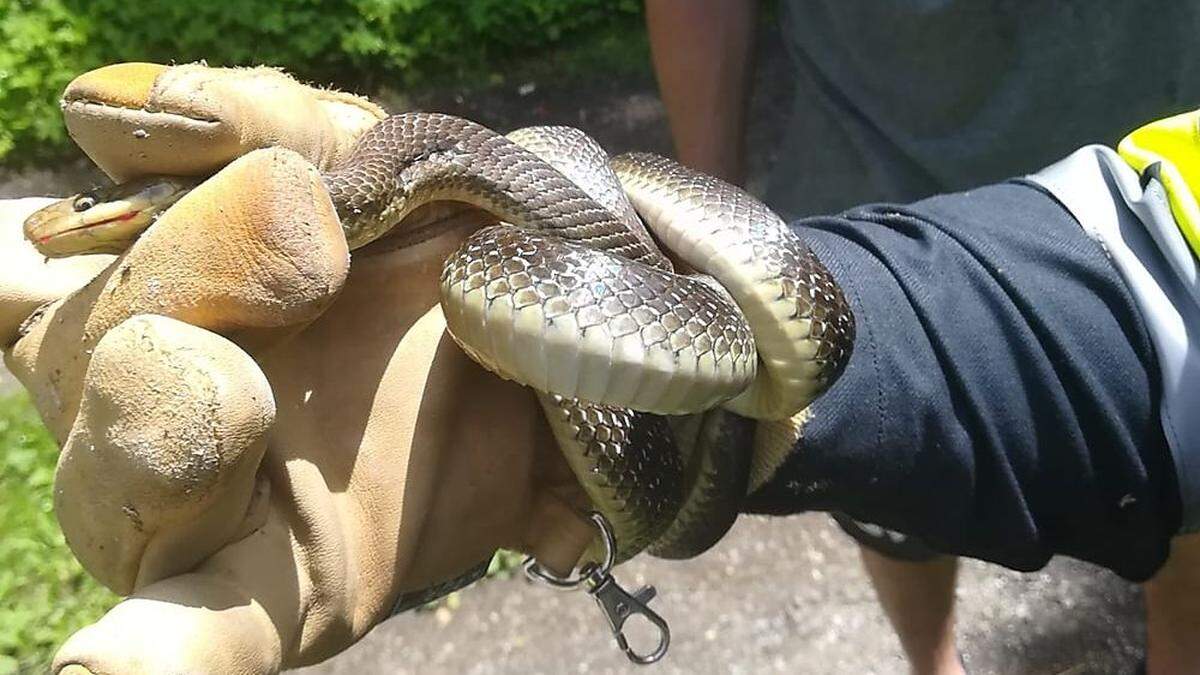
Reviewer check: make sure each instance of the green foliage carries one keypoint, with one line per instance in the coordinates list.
(44, 594)
(505, 563)
(355, 43)
(41, 46)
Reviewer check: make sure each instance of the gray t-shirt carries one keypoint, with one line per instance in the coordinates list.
(900, 99)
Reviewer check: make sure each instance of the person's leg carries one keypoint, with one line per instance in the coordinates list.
(918, 598)
(915, 585)
(1173, 611)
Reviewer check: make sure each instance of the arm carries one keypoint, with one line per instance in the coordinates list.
(701, 52)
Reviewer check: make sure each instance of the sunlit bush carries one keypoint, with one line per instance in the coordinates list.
(355, 43)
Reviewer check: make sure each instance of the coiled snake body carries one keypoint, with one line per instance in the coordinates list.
(577, 302)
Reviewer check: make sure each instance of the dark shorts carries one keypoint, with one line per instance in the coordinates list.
(1002, 399)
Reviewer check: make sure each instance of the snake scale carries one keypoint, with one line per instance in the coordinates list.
(639, 367)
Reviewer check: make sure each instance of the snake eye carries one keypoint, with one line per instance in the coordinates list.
(84, 202)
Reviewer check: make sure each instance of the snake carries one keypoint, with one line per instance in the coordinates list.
(657, 311)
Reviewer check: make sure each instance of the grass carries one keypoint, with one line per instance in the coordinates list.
(44, 594)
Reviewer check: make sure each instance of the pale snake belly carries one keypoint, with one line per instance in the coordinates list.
(634, 364)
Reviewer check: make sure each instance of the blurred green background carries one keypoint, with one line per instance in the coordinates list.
(44, 593)
(356, 44)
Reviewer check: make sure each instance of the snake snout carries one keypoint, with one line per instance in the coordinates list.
(105, 220)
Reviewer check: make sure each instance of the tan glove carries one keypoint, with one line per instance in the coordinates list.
(263, 450)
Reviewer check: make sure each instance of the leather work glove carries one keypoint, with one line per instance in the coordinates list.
(264, 449)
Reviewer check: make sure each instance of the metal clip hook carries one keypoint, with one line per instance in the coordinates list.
(616, 603)
(618, 606)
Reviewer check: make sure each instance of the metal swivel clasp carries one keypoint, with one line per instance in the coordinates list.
(617, 604)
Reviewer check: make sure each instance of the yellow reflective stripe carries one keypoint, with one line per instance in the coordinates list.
(1174, 143)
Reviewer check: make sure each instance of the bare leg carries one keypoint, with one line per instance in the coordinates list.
(918, 598)
(1173, 611)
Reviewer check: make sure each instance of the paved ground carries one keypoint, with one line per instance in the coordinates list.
(776, 595)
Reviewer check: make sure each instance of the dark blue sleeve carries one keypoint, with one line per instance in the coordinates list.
(1001, 400)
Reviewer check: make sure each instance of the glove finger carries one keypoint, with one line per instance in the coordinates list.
(159, 471)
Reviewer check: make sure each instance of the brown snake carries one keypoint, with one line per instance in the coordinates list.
(578, 303)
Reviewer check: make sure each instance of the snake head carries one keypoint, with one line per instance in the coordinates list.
(104, 220)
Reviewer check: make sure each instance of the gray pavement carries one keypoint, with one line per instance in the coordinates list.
(783, 595)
